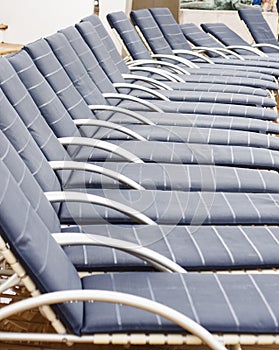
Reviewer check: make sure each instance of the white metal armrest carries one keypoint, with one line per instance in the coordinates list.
(10, 282)
(163, 73)
(201, 49)
(174, 58)
(106, 296)
(160, 64)
(156, 83)
(250, 49)
(145, 103)
(79, 197)
(106, 146)
(133, 114)
(150, 256)
(141, 88)
(266, 45)
(229, 52)
(109, 125)
(72, 165)
(193, 53)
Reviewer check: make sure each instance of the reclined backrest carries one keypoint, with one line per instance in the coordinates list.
(108, 42)
(225, 35)
(31, 242)
(35, 101)
(87, 58)
(21, 173)
(90, 36)
(258, 27)
(58, 121)
(134, 45)
(68, 58)
(198, 37)
(51, 69)
(16, 131)
(18, 67)
(150, 30)
(170, 28)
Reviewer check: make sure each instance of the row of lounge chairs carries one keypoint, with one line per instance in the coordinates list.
(131, 168)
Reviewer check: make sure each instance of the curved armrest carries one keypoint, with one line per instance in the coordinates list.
(250, 49)
(194, 54)
(158, 84)
(80, 197)
(105, 296)
(109, 125)
(72, 165)
(125, 111)
(148, 255)
(164, 74)
(174, 68)
(229, 52)
(201, 49)
(174, 58)
(142, 88)
(105, 146)
(145, 103)
(266, 45)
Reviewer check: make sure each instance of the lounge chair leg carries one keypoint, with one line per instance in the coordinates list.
(235, 347)
(9, 283)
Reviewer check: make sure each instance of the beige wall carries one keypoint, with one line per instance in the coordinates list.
(113, 6)
(29, 20)
(230, 18)
(173, 5)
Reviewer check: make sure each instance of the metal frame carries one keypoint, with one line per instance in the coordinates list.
(105, 146)
(157, 260)
(141, 88)
(101, 296)
(247, 48)
(171, 66)
(192, 53)
(145, 103)
(164, 74)
(124, 111)
(93, 168)
(69, 196)
(109, 125)
(156, 83)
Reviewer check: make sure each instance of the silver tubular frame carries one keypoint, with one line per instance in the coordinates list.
(109, 125)
(72, 165)
(79, 197)
(133, 114)
(106, 146)
(159, 261)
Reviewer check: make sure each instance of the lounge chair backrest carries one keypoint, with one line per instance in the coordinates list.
(225, 35)
(43, 57)
(108, 42)
(150, 30)
(75, 69)
(17, 133)
(87, 58)
(170, 28)
(258, 27)
(134, 45)
(198, 37)
(35, 102)
(28, 111)
(23, 176)
(77, 72)
(31, 242)
(52, 110)
(90, 36)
